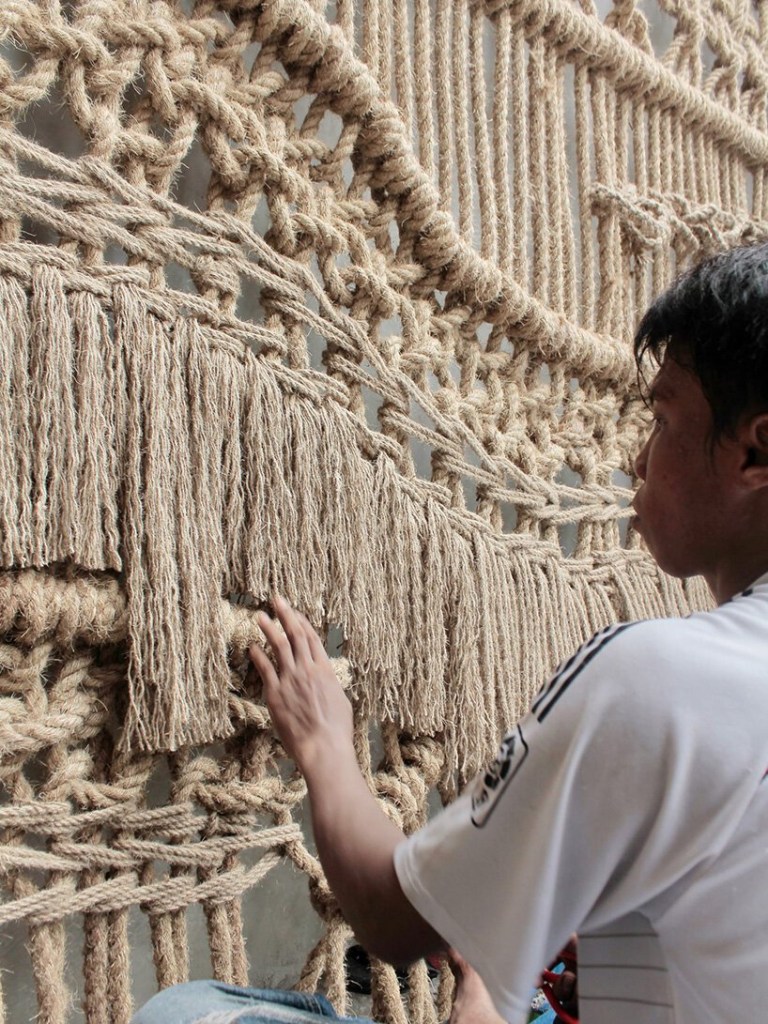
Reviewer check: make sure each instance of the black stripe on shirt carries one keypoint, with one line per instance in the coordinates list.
(584, 968)
(566, 678)
(623, 1001)
(568, 665)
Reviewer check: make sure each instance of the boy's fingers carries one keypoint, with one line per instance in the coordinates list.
(292, 625)
(279, 643)
(314, 642)
(263, 666)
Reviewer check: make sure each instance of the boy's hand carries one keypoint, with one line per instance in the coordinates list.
(309, 709)
(472, 1003)
(565, 986)
(355, 839)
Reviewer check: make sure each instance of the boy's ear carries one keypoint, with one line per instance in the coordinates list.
(754, 437)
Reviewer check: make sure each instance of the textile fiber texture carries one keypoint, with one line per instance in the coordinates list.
(373, 354)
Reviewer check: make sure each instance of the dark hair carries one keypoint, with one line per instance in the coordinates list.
(714, 320)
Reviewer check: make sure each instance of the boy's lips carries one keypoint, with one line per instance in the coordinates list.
(635, 520)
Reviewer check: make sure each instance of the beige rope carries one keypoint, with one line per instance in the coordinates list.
(395, 386)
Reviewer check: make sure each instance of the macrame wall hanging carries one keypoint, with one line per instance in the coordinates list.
(379, 363)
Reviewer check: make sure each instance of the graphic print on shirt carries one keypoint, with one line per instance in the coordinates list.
(491, 784)
(513, 751)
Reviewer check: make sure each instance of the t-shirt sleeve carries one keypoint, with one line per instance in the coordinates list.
(599, 799)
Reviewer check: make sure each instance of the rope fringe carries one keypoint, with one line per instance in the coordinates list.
(155, 457)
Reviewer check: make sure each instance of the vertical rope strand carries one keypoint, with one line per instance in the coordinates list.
(424, 93)
(483, 165)
(461, 135)
(501, 127)
(442, 51)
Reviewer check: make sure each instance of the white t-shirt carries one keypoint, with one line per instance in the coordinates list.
(628, 806)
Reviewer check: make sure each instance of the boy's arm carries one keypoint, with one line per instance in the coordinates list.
(355, 839)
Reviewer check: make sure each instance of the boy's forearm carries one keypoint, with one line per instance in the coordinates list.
(356, 843)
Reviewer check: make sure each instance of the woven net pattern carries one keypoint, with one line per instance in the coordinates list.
(374, 355)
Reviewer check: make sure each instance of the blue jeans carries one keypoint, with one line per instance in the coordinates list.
(213, 1002)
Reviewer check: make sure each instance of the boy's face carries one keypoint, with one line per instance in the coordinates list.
(685, 505)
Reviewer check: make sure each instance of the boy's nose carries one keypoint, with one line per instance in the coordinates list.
(641, 460)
